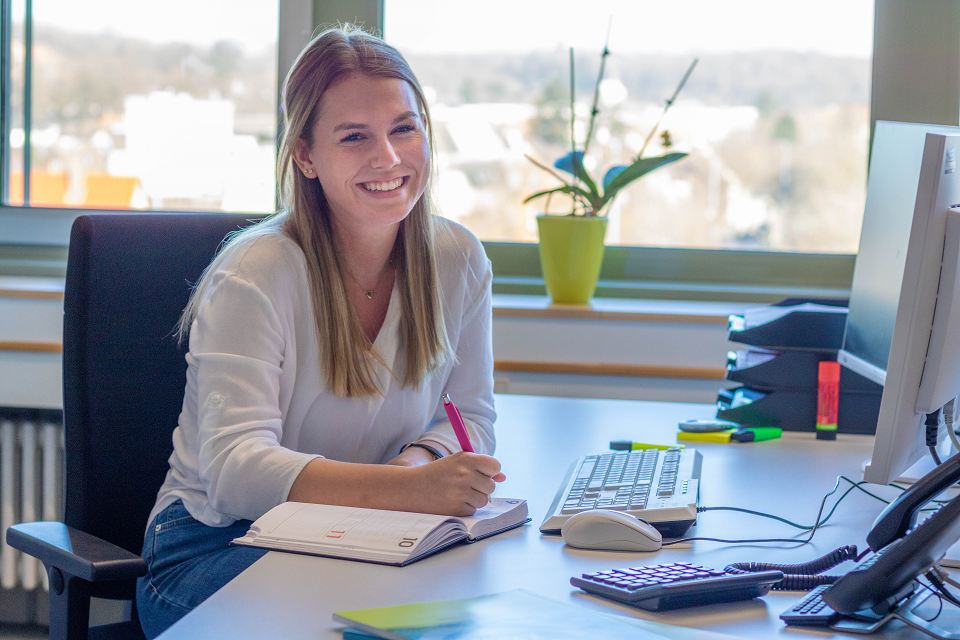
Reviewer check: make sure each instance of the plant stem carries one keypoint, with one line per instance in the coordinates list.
(683, 81)
(576, 198)
(596, 91)
(547, 169)
(573, 140)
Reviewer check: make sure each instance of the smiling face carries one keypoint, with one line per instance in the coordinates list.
(370, 152)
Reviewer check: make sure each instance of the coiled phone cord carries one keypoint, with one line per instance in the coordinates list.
(799, 577)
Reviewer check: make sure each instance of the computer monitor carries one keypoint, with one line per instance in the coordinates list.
(900, 306)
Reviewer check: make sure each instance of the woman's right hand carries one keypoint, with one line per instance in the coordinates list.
(455, 485)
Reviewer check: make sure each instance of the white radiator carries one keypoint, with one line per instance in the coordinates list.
(31, 488)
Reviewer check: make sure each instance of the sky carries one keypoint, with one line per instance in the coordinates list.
(835, 27)
(250, 23)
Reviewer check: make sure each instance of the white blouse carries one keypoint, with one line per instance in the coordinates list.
(256, 408)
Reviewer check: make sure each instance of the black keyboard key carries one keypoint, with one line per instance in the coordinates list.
(811, 611)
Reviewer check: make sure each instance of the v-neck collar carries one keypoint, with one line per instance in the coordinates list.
(386, 339)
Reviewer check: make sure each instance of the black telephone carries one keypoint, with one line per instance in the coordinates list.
(901, 514)
(906, 550)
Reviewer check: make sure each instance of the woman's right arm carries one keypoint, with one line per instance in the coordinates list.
(237, 346)
(454, 485)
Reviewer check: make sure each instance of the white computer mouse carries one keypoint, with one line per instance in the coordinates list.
(609, 529)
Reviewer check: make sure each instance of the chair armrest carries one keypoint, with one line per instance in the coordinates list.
(75, 552)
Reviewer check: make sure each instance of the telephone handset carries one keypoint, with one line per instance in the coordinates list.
(881, 581)
(901, 514)
(902, 549)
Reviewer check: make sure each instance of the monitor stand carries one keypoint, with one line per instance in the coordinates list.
(923, 466)
(926, 464)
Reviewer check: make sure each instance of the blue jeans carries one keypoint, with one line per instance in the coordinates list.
(186, 562)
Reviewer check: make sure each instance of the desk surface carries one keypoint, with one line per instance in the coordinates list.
(293, 596)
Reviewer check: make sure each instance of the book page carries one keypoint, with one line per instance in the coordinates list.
(300, 526)
(499, 513)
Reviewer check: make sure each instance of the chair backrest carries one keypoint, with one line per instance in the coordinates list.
(128, 279)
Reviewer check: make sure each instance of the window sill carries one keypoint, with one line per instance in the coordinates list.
(31, 287)
(626, 309)
(754, 294)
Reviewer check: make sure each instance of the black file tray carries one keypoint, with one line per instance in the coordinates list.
(796, 409)
(796, 329)
(795, 369)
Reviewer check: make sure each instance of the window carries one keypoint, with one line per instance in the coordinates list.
(775, 116)
(130, 105)
(755, 254)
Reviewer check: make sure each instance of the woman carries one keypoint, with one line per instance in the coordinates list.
(322, 339)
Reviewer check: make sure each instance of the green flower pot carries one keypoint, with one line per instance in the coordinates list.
(571, 252)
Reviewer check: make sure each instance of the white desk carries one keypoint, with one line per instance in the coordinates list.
(293, 596)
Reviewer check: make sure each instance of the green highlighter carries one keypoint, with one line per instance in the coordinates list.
(756, 434)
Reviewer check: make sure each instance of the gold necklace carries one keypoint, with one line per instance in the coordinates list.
(368, 292)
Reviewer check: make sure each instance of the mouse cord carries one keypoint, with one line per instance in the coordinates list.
(799, 577)
(853, 486)
(812, 529)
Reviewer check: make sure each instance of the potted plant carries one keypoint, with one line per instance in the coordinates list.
(571, 245)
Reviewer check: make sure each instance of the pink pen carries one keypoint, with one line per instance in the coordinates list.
(458, 428)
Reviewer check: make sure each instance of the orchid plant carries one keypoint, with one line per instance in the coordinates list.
(589, 197)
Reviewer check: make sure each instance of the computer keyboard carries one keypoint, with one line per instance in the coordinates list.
(659, 486)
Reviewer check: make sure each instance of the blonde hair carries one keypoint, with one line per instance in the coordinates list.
(348, 358)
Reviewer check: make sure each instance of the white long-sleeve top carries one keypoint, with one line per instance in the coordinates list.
(256, 407)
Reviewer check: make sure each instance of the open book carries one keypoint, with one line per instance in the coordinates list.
(372, 535)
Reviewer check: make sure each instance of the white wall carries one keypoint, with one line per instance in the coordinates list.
(30, 379)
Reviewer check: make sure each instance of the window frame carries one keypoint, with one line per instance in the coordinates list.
(33, 238)
(22, 227)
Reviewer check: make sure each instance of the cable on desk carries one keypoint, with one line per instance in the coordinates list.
(934, 577)
(932, 423)
(853, 485)
(812, 530)
(799, 577)
(934, 592)
(856, 485)
(946, 577)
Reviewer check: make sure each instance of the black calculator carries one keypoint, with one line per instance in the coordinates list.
(812, 610)
(676, 585)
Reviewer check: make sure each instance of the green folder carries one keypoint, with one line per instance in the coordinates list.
(513, 614)
(521, 614)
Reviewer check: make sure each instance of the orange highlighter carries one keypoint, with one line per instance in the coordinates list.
(828, 396)
(457, 421)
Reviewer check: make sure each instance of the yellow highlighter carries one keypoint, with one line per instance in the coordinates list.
(721, 437)
(627, 445)
(749, 434)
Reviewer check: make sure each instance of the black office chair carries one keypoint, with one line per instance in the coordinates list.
(128, 280)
